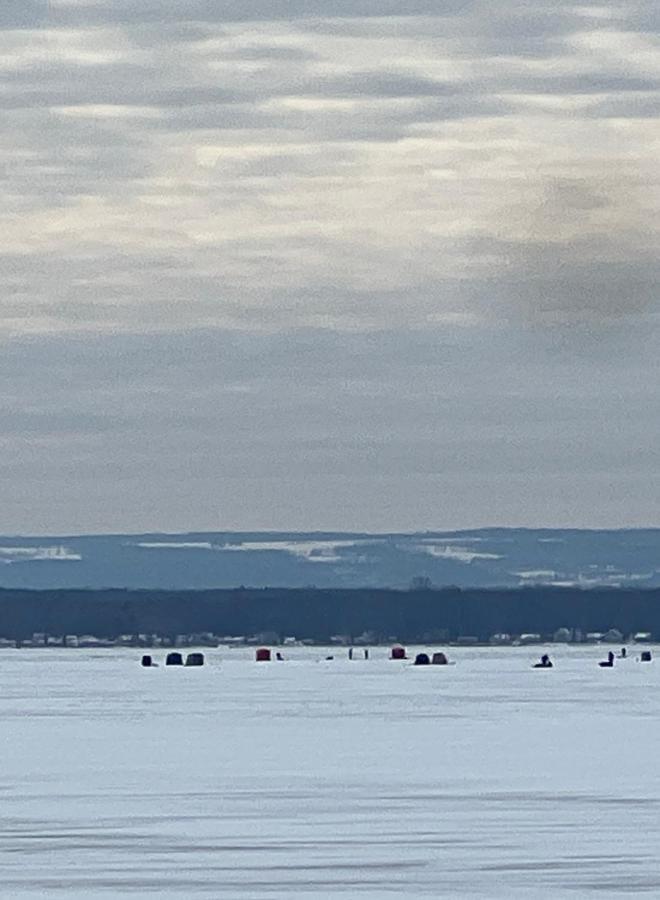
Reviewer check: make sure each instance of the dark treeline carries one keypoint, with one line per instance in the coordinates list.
(445, 613)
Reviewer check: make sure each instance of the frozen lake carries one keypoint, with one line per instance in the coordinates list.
(312, 778)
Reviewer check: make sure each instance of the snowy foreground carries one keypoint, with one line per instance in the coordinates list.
(314, 778)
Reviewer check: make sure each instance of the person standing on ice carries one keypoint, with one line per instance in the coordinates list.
(545, 663)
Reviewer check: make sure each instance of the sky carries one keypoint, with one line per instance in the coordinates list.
(369, 265)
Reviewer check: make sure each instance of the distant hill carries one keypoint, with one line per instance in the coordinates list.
(492, 557)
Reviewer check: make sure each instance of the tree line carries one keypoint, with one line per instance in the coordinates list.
(319, 614)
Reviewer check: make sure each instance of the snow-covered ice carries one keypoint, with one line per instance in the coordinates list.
(314, 778)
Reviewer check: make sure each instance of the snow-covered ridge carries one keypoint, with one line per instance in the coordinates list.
(313, 551)
(487, 557)
(57, 553)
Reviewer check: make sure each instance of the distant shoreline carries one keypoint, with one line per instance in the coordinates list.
(359, 616)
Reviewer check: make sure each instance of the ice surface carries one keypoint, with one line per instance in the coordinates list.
(314, 778)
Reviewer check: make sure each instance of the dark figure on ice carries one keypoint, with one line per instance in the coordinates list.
(623, 653)
(545, 663)
(607, 663)
(279, 656)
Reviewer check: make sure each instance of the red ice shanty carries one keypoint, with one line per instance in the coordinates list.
(398, 653)
(262, 654)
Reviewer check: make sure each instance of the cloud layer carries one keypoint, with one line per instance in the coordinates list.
(267, 165)
(317, 429)
(340, 264)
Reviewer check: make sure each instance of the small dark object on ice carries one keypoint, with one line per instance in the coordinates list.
(546, 662)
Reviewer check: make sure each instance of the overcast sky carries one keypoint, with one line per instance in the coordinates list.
(362, 264)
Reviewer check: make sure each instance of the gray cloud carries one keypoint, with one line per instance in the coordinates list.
(205, 165)
(23, 13)
(408, 252)
(124, 12)
(337, 429)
